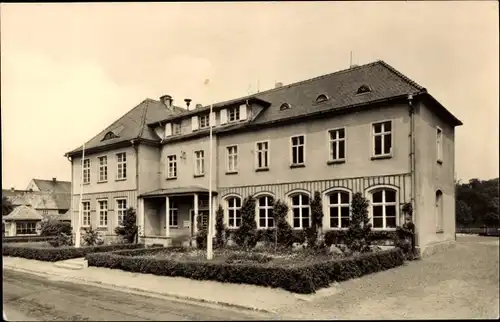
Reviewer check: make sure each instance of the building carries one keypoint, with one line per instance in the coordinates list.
(22, 221)
(367, 129)
(54, 186)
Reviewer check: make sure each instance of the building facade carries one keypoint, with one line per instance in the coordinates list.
(368, 129)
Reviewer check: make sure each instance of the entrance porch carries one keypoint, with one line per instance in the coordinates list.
(169, 216)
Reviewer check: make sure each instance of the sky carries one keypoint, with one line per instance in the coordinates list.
(70, 70)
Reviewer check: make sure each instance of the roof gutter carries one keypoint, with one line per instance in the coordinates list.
(116, 145)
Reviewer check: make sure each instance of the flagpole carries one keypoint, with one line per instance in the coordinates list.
(210, 205)
(80, 208)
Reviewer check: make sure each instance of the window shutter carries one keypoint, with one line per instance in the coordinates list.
(194, 123)
(223, 116)
(243, 112)
(168, 129)
(212, 119)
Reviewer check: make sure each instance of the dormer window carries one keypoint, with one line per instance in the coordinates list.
(233, 114)
(204, 121)
(110, 135)
(363, 89)
(321, 98)
(176, 128)
(285, 106)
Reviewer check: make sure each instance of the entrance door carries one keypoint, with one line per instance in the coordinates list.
(204, 219)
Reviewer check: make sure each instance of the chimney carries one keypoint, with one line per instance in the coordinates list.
(12, 188)
(167, 101)
(199, 106)
(54, 180)
(278, 85)
(188, 102)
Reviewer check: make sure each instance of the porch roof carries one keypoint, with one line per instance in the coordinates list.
(176, 191)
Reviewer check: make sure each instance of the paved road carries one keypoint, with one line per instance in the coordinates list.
(33, 298)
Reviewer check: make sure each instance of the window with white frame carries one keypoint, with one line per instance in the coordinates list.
(232, 158)
(382, 138)
(337, 144)
(298, 151)
(172, 166)
(173, 215)
(26, 228)
(86, 171)
(121, 209)
(103, 212)
(439, 144)
(45, 212)
(233, 114)
(234, 212)
(204, 121)
(301, 211)
(176, 128)
(383, 208)
(103, 168)
(265, 210)
(339, 209)
(262, 155)
(86, 213)
(121, 165)
(199, 163)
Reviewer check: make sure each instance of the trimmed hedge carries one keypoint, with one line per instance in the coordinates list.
(339, 236)
(61, 253)
(26, 239)
(302, 279)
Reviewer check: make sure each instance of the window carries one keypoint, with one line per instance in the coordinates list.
(382, 139)
(202, 217)
(25, 228)
(337, 144)
(103, 168)
(232, 158)
(265, 210)
(173, 215)
(321, 98)
(176, 128)
(121, 209)
(45, 212)
(199, 163)
(285, 106)
(122, 166)
(86, 171)
(439, 143)
(204, 121)
(384, 209)
(363, 89)
(298, 143)
(301, 211)
(262, 155)
(103, 213)
(233, 114)
(86, 213)
(234, 212)
(439, 211)
(172, 166)
(339, 209)
(109, 136)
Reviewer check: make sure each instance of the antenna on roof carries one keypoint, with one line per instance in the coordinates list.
(258, 86)
(350, 61)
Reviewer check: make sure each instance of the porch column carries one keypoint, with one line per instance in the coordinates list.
(195, 228)
(140, 219)
(167, 215)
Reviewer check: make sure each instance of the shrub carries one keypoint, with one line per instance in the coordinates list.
(405, 235)
(201, 235)
(91, 237)
(61, 240)
(219, 228)
(312, 233)
(246, 234)
(129, 229)
(248, 257)
(303, 279)
(55, 228)
(358, 234)
(26, 239)
(62, 253)
(284, 235)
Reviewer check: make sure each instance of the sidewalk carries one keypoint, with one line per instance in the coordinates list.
(240, 296)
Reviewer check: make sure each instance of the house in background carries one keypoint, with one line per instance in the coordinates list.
(22, 221)
(54, 186)
(367, 129)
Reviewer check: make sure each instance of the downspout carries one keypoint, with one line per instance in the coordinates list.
(413, 188)
(136, 149)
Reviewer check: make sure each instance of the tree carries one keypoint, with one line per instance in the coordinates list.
(246, 235)
(219, 227)
(129, 229)
(7, 206)
(357, 236)
(283, 232)
(481, 196)
(463, 213)
(313, 233)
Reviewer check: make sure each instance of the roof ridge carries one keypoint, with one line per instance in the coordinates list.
(403, 76)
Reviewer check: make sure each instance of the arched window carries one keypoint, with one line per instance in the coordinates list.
(321, 98)
(439, 211)
(384, 208)
(109, 136)
(285, 106)
(301, 211)
(339, 204)
(265, 211)
(363, 89)
(234, 212)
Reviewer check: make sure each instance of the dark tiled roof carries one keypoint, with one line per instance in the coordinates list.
(23, 213)
(53, 186)
(63, 217)
(132, 125)
(41, 199)
(177, 191)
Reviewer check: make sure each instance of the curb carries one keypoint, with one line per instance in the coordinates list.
(144, 292)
